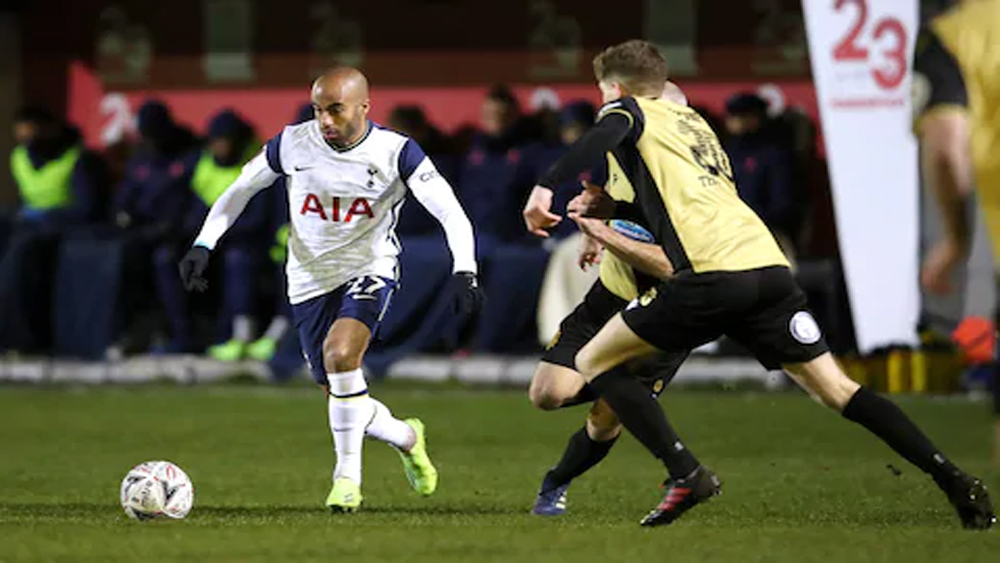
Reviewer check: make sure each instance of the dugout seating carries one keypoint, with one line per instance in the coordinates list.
(91, 308)
(103, 291)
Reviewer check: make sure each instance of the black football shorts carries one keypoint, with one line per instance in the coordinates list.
(587, 319)
(762, 309)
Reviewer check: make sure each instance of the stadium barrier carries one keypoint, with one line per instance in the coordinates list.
(476, 369)
(931, 370)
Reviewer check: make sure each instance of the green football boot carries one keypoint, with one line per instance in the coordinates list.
(420, 472)
(345, 496)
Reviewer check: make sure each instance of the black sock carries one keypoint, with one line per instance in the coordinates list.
(884, 419)
(640, 413)
(585, 395)
(582, 453)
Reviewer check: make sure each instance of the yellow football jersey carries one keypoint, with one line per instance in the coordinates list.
(957, 68)
(684, 186)
(616, 275)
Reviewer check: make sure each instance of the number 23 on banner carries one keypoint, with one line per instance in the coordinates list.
(887, 37)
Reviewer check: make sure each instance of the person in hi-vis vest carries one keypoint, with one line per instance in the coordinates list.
(60, 186)
(59, 183)
(229, 144)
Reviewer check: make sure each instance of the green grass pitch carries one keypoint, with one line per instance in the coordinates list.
(799, 483)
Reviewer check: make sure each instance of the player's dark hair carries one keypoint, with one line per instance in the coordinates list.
(636, 64)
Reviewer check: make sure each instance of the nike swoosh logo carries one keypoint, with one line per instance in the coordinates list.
(301, 168)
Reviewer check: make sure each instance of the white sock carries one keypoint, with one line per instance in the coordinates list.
(388, 428)
(277, 328)
(242, 328)
(348, 417)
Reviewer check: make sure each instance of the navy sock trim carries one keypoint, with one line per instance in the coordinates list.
(351, 396)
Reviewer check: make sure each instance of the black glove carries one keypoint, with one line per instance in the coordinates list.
(466, 294)
(193, 267)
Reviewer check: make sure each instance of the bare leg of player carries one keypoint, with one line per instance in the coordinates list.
(602, 362)
(614, 345)
(353, 414)
(554, 386)
(826, 382)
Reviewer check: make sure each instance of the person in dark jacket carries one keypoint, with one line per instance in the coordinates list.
(411, 121)
(151, 207)
(61, 187)
(60, 183)
(486, 178)
(152, 200)
(764, 168)
(208, 171)
(573, 121)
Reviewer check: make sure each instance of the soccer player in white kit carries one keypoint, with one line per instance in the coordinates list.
(347, 179)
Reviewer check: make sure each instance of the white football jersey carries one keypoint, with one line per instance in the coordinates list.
(344, 205)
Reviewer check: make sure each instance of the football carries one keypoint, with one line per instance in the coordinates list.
(156, 488)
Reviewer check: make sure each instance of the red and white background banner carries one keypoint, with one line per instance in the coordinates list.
(105, 115)
(860, 52)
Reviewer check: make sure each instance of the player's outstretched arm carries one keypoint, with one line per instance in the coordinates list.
(947, 169)
(610, 130)
(594, 202)
(591, 147)
(590, 252)
(435, 194)
(646, 257)
(940, 105)
(255, 176)
(437, 197)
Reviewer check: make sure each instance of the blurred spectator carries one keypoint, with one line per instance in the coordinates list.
(230, 143)
(487, 173)
(62, 186)
(502, 123)
(152, 200)
(794, 129)
(410, 120)
(276, 337)
(572, 122)
(59, 182)
(764, 169)
(712, 119)
(151, 207)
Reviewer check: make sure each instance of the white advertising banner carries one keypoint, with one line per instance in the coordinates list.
(860, 52)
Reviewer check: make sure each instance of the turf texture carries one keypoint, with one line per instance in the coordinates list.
(800, 484)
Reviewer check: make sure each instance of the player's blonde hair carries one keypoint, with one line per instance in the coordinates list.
(636, 64)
